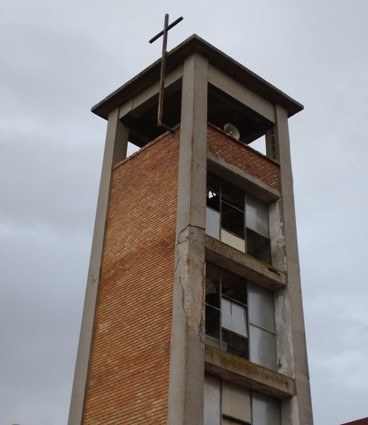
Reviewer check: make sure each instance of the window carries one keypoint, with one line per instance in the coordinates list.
(262, 332)
(226, 311)
(238, 219)
(239, 317)
(226, 403)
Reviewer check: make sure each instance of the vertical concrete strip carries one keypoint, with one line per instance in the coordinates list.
(187, 338)
(115, 150)
(284, 341)
(302, 406)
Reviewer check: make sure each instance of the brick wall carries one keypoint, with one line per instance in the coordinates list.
(129, 366)
(243, 157)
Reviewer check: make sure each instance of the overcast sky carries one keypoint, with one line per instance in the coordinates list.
(59, 58)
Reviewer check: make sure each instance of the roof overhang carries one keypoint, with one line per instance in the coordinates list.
(218, 59)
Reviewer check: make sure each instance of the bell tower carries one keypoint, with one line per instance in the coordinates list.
(193, 311)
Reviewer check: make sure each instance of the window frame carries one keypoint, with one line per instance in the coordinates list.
(246, 238)
(219, 310)
(259, 404)
(259, 343)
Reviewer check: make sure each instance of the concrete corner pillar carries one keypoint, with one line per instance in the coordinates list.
(115, 150)
(187, 337)
(299, 409)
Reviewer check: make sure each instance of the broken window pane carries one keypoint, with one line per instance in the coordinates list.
(226, 316)
(243, 220)
(232, 219)
(213, 192)
(234, 344)
(234, 286)
(258, 246)
(236, 402)
(212, 271)
(232, 195)
(212, 285)
(212, 293)
(213, 324)
(229, 421)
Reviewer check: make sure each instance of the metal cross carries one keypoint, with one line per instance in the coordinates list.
(167, 27)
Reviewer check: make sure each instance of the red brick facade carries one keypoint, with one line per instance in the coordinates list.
(243, 157)
(129, 366)
(130, 356)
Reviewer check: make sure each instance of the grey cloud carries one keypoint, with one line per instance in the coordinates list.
(58, 59)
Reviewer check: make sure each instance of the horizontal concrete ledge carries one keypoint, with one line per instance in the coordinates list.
(241, 93)
(253, 185)
(247, 374)
(244, 265)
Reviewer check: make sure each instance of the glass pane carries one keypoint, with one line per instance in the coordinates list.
(212, 396)
(234, 344)
(234, 317)
(212, 271)
(234, 286)
(232, 195)
(230, 421)
(236, 402)
(232, 219)
(213, 325)
(212, 284)
(257, 215)
(258, 246)
(232, 240)
(262, 347)
(261, 307)
(213, 223)
(212, 293)
(213, 192)
(266, 410)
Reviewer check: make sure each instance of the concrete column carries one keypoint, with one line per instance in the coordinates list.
(187, 338)
(120, 137)
(272, 150)
(115, 150)
(285, 360)
(300, 408)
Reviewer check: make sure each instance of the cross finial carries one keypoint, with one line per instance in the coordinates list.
(167, 27)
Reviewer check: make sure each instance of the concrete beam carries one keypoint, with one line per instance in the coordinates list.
(251, 184)
(241, 93)
(250, 375)
(150, 92)
(115, 150)
(186, 383)
(244, 265)
(300, 409)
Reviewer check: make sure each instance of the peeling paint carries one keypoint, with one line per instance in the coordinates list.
(190, 269)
